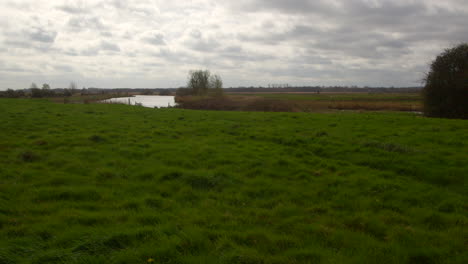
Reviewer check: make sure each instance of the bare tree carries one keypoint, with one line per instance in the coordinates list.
(200, 82)
(73, 86)
(216, 84)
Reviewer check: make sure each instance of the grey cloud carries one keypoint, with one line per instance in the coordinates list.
(109, 46)
(246, 57)
(198, 42)
(156, 39)
(196, 34)
(80, 23)
(172, 56)
(233, 49)
(204, 45)
(73, 9)
(310, 57)
(41, 35)
(106, 34)
(93, 50)
(13, 69)
(339, 75)
(64, 68)
(298, 32)
(414, 20)
(70, 52)
(35, 38)
(353, 39)
(237, 54)
(291, 6)
(90, 51)
(119, 3)
(341, 41)
(128, 7)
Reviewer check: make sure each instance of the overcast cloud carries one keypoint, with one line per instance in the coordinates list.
(153, 43)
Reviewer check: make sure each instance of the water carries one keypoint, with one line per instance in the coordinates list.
(145, 100)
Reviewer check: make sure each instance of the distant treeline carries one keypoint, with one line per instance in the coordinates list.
(38, 93)
(65, 92)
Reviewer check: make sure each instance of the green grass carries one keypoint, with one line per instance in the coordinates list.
(100, 183)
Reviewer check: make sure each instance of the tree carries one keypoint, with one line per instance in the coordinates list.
(216, 84)
(73, 86)
(201, 82)
(46, 90)
(446, 85)
(35, 91)
(198, 82)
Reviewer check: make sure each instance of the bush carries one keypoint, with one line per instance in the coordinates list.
(446, 90)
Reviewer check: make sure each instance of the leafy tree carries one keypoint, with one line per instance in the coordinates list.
(446, 89)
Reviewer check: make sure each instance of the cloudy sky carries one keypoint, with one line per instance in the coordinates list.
(154, 43)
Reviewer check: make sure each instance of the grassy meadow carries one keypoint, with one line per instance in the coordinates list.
(109, 183)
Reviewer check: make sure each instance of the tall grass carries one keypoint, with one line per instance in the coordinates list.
(265, 104)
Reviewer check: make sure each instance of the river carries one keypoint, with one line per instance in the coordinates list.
(153, 101)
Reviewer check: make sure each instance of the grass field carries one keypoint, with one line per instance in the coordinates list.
(106, 183)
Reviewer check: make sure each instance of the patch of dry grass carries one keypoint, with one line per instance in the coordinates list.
(250, 103)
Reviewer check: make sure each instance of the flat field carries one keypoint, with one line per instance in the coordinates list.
(105, 183)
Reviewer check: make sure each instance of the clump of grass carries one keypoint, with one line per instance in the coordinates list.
(321, 134)
(68, 195)
(96, 138)
(28, 156)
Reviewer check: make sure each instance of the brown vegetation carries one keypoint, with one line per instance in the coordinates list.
(375, 106)
(249, 103)
(236, 103)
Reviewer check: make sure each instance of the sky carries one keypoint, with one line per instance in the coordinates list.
(155, 43)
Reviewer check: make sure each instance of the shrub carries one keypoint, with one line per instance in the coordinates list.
(446, 89)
